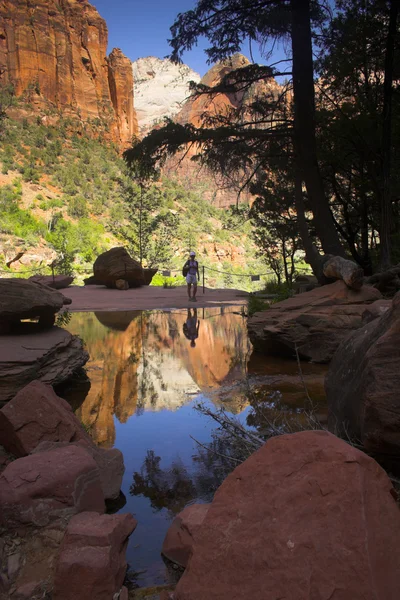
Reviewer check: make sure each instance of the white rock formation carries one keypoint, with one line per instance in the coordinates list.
(160, 89)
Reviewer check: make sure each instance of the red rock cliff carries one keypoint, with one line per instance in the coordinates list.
(56, 50)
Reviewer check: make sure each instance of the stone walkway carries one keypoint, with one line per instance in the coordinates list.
(94, 297)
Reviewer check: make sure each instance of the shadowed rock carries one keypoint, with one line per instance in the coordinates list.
(116, 265)
(92, 561)
(362, 385)
(307, 516)
(44, 487)
(23, 299)
(315, 322)
(178, 543)
(50, 356)
(58, 282)
(37, 420)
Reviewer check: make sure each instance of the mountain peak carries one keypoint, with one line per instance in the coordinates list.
(160, 89)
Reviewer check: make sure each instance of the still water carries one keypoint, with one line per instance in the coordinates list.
(147, 372)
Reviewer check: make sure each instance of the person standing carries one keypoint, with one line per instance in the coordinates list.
(191, 267)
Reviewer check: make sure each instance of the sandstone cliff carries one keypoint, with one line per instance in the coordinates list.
(218, 190)
(54, 53)
(161, 87)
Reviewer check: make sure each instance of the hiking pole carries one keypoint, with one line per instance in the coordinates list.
(203, 278)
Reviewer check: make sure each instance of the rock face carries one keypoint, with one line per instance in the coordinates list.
(37, 420)
(92, 560)
(44, 487)
(55, 53)
(362, 385)
(179, 541)
(307, 516)
(315, 322)
(23, 299)
(50, 356)
(375, 310)
(58, 282)
(181, 165)
(121, 82)
(116, 265)
(160, 87)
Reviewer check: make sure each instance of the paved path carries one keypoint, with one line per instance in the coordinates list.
(94, 297)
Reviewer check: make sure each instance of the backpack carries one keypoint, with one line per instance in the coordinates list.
(185, 269)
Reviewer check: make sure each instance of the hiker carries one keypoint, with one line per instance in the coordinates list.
(191, 327)
(191, 272)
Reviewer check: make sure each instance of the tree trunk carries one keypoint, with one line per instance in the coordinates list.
(337, 267)
(304, 127)
(386, 206)
(312, 255)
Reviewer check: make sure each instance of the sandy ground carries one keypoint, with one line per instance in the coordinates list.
(94, 297)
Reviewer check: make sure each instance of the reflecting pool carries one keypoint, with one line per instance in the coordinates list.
(147, 372)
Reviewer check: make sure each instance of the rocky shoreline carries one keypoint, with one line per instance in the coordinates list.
(303, 501)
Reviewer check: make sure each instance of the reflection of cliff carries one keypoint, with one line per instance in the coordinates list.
(143, 361)
(221, 350)
(114, 360)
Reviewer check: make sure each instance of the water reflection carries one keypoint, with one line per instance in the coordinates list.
(155, 361)
(147, 370)
(191, 327)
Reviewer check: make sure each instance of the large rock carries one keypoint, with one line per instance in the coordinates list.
(315, 322)
(56, 56)
(37, 420)
(58, 282)
(36, 415)
(23, 299)
(148, 275)
(179, 541)
(375, 310)
(116, 264)
(92, 560)
(50, 356)
(306, 517)
(362, 385)
(41, 488)
(110, 462)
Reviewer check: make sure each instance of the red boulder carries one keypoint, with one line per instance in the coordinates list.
(39, 420)
(306, 517)
(362, 386)
(41, 488)
(178, 542)
(92, 560)
(314, 323)
(34, 415)
(57, 282)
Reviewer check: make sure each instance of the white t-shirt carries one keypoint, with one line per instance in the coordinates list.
(192, 267)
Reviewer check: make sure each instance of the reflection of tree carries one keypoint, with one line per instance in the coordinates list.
(171, 488)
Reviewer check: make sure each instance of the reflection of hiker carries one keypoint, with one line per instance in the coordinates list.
(191, 327)
(191, 272)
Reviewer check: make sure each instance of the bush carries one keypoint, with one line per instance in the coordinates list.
(77, 207)
(255, 304)
(160, 280)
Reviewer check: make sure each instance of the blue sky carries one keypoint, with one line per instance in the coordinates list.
(141, 28)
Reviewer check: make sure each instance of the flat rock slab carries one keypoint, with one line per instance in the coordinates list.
(50, 356)
(314, 323)
(93, 297)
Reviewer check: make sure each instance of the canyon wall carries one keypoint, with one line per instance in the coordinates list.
(161, 88)
(54, 54)
(217, 189)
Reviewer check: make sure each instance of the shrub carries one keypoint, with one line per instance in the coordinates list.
(77, 207)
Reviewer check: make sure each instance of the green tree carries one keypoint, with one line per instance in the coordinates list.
(148, 230)
(246, 140)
